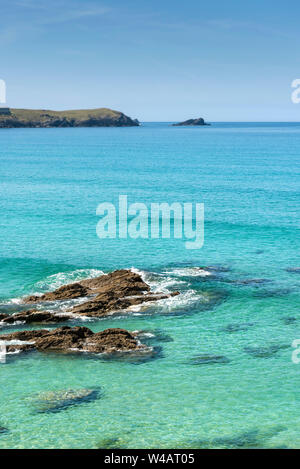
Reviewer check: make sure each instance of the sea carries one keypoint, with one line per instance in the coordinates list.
(225, 371)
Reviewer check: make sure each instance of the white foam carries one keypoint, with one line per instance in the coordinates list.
(189, 272)
(65, 278)
(158, 282)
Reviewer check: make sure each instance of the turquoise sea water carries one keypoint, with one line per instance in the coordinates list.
(248, 176)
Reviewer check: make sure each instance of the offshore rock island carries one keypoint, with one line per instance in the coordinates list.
(102, 117)
(197, 122)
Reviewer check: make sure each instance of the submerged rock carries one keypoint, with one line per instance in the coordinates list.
(106, 303)
(66, 292)
(293, 270)
(77, 339)
(33, 316)
(197, 122)
(110, 443)
(156, 335)
(118, 290)
(265, 351)
(289, 320)
(238, 327)
(251, 439)
(208, 359)
(3, 430)
(56, 401)
(121, 282)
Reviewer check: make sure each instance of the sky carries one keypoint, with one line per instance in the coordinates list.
(153, 60)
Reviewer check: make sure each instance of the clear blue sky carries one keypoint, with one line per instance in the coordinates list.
(155, 60)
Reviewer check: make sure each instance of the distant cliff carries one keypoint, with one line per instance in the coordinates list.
(199, 121)
(101, 117)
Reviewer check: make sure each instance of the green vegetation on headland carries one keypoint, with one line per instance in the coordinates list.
(199, 121)
(101, 117)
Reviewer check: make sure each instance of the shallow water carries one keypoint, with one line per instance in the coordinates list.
(248, 177)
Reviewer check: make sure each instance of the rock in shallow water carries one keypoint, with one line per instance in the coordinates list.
(238, 327)
(110, 443)
(76, 339)
(265, 351)
(252, 439)
(56, 401)
(289, 320)
(109, 293)
(208, 359)
(293, 270)
(33, 316)
(251, 281)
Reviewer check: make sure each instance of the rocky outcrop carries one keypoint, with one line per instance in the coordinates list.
(208, 359)
(107, 303)
(74, 339)
(197, 122)
(116, 291)
(101, 117)
(121, 282)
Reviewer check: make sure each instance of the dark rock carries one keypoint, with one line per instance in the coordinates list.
(199, 121)
(33, 316)
(251, 439)
(289, 320)
(265, 351)
(3, 430)
(77, 339)
(66, 292)
(208, 359)
(32, 118)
